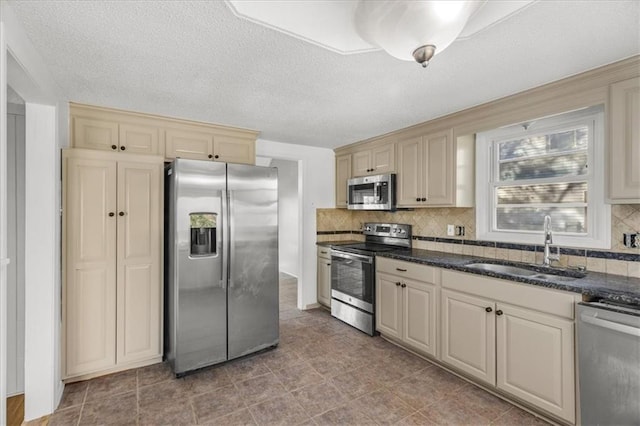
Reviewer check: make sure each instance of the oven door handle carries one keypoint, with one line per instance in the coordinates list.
(351, 256)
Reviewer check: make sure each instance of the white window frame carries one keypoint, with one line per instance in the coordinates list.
(598, 212)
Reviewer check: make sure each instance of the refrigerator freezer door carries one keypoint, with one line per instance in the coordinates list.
(197, 287)
(253, 259)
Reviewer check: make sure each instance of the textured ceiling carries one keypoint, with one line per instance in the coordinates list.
(197, 60)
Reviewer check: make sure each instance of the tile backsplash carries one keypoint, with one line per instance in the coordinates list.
(430, 232)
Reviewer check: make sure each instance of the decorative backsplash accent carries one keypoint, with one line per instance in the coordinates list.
(429, 232)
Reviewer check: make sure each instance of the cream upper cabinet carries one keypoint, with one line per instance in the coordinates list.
(343, 174)
(190, 144)
(112, 303)
(375, 161)
(406, 304)
(109, 129)
(324, 276)
(140, 139)
(202, 144)
(624, 142)
(516, 337)
(234, 150)
(425, 170)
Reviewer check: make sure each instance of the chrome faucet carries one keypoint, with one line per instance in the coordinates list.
(548, 241)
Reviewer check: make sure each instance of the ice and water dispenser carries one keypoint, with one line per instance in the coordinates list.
(203, 234)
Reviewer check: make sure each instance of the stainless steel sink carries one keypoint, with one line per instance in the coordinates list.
(518, 271)
(502, 269)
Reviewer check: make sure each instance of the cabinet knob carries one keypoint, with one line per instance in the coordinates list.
(216, 156)
(328, 264)
(111, 214)
(499, 312)
(418, 199)
(121, 214)
(488, 309)
(403, 285)
(424, 199)
(210, 156)
(114, 147)
(122, 148)
(398, 284)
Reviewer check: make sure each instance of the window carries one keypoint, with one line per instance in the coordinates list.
(552, 166)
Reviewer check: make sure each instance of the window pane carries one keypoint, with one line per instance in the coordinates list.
(563, 219)
(574, 164)
(543, 194)
(553, 143)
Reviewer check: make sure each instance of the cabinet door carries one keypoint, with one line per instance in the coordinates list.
(343, 174)
(90, 285)
(419, 316)
(324, 281)
(468, 334)
(535, 359)
(410, 173)
(362, 163)
(95, 134)
(389, 305)
(624, 146)
(383, 159)
(139, 139)
(234, 150)
(138, 272)
(188, 144)
(438, 173)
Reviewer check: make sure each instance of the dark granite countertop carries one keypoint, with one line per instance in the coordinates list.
(593, 285)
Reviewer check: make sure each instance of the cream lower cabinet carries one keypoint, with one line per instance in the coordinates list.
(406, 303)
(112, 303)
(324, 276)
(527, 352)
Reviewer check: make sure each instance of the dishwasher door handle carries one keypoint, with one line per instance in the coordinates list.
(622, 328)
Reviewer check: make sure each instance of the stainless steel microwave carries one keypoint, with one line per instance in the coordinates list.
(372, 192)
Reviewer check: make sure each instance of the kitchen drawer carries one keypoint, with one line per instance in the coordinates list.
(324, 252)
(409, 270)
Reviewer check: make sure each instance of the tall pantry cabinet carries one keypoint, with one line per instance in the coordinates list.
(112, 241)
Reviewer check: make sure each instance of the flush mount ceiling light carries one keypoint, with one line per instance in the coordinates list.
(412, 30)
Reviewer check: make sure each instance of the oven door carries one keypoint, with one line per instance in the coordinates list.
(352, 279)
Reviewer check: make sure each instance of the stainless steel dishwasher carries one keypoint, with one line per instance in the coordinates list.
(609, 363)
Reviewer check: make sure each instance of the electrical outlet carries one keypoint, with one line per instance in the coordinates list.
(450, 230)
(631, 239)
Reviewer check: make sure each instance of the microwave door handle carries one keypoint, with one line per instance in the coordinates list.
(378, 192)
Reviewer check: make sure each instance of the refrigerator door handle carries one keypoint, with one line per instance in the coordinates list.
(230, 245)
(224, 240)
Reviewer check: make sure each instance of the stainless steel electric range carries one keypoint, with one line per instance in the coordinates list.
(353, 273)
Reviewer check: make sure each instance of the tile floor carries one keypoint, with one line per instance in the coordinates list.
(323, 372)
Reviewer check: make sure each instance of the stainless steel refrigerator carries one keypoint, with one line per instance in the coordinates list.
(221, 262)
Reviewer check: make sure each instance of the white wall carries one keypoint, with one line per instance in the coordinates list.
(287, 215)
(316, 190)
(45, 126)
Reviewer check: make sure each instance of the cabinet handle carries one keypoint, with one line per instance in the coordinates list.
(499, 312)
(122, 148)
(488, 309)
(398, 284)
(111, 214)
(323, 252)
(121, 214)
(403, 285)
(114, 147)
(216, 156)
(401, 270)
(210, 156)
